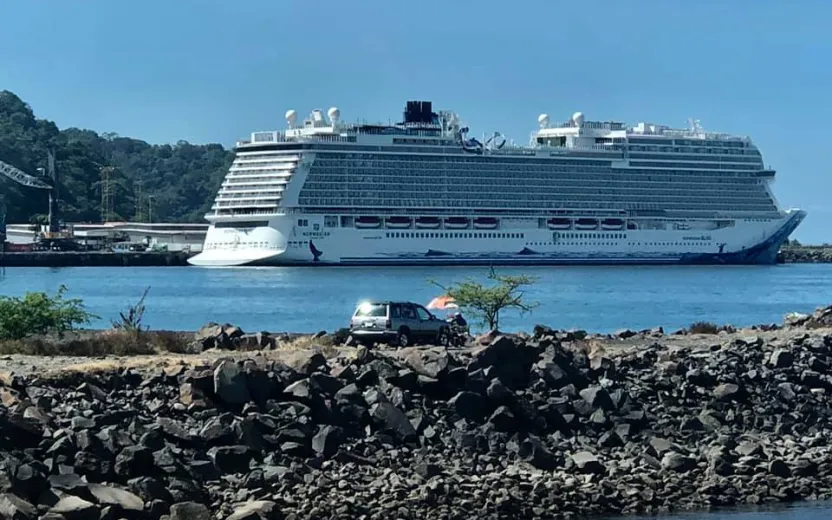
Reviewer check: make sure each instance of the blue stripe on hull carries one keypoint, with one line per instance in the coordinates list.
(764, 253)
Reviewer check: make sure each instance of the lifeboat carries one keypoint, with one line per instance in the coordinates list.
(456, 223)
(367, 222)
(485, 223)
(398, 222)
(559, 223)
(428, 222)
(586, 223)
(612, 223)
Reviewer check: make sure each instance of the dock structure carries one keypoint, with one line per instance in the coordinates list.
(171, 237)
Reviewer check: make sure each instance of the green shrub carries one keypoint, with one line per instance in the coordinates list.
(39, 313)
(131, 322)
(703, 327)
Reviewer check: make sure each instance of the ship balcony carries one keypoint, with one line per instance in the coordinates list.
(236, 191)
(271, 173)
(223, 204)
(256, 181)
(247, 183)
(226, 213)
(267, 195)
(262, 168)
(249, 159)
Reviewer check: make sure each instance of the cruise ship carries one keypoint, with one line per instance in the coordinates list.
(423, 192)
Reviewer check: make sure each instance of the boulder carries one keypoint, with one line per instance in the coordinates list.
(13, 507)
(468, 405)
(781, 358)
(123, 501)
(727, 391)
(430, 362)
(586, 462)
(75, 508)
(390, 419)
(677, 462)
(327, 441)
(189, 511)
(256, 510)
(230, 383)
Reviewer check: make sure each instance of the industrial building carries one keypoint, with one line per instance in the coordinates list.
(117, 235)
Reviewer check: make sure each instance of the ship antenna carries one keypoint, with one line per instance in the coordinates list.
(694, 126)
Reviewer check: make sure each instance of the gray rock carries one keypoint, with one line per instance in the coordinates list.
(535, 453)
(256, 510)
(306, 362)
(124, 500)
(503, 420)
(709, 420)
(781, 358)
(390, 419)
(74, 508)
(327, 441)
(13, 507)
(778, 468)
(427, 471)
(230, 383)
(189, 511)
(727, 391)
(598, 397)
(468, 405)
(587, 462)
(677, 462)
(661, 445)
(748, 448)
(231, 459)
(432, 362)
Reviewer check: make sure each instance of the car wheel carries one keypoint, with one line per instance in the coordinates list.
(403, 338)
(443, 338)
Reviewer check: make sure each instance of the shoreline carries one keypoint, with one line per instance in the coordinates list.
(787, 255)
(94, 259)
(545, 424)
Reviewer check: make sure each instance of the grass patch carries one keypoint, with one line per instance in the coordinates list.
(323, 344)
(703, 327)
(96, 344)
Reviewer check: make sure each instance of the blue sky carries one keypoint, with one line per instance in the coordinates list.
(213, 71)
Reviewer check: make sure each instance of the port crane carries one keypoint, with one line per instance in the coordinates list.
(31, 181)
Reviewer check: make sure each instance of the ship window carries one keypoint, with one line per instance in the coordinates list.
(241, 224)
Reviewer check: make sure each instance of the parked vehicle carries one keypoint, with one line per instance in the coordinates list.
(397, 323)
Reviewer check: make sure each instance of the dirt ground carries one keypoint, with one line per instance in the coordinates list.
(47, 366)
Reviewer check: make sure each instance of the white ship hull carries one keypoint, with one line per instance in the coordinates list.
(517, 241)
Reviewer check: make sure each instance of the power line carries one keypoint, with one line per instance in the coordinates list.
(107, 193)
(139, 217)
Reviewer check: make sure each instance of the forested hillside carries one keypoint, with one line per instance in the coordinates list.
(182, 179)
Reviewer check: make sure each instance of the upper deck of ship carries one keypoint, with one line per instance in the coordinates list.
(422, 127)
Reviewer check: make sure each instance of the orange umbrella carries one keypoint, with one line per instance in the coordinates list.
(442, 302)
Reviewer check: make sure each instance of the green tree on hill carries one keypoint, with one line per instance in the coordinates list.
(182, 178)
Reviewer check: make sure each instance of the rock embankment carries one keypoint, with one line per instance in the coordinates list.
(805, 255)
(523, 427)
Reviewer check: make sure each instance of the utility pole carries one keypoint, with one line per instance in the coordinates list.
(2, 236)
(54, 218)
(107, 193)
(139, 202)
(150, 209)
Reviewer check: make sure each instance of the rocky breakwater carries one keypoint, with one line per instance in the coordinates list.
(805, 255)
(523, 427)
